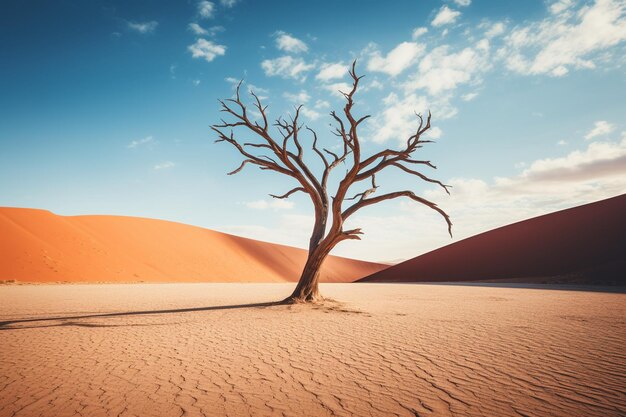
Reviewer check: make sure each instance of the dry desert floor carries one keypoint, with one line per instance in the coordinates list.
(384, 350)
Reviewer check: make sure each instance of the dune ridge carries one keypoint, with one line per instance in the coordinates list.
(583, 244)
(39, 246)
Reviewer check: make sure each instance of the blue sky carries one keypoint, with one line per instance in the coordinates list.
(106, 108)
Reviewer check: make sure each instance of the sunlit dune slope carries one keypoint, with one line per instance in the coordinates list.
(585, 244)
(39, 246)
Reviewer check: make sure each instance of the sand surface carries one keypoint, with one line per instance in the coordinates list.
(39, 246)
(388, 349)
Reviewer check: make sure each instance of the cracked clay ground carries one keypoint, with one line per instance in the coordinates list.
(385, 350)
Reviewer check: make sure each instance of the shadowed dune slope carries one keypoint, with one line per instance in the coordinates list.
(585, 244)
(39, 246)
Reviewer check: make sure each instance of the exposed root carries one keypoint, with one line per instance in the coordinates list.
(311, 299)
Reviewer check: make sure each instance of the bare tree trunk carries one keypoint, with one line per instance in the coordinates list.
(307, 289)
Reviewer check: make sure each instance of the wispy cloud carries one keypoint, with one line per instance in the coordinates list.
(332, 71)
(197, 29)
(600, 128)
(206, 9)
(560, 5)
(418, 32)
(164, 165)
(469, 96)
(443, 70)
(566, 39)
(228, 3)
(299, 98)
(140, 142)
(288, 43)
(397, 60)
(310, 113)
(398, 119)
(143, 27)
(287, 67)
(445, 16)
(206, 50)
(200, 31)
(338, 89)
(495, 29)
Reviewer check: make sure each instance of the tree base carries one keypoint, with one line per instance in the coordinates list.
(310, 299)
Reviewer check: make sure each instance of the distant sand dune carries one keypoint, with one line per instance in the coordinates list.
(585, 244)
(39, 246)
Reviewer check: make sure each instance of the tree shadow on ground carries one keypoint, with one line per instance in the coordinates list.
(327, 306)
(67, 320)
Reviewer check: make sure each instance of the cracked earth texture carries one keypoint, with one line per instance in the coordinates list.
(380, 350)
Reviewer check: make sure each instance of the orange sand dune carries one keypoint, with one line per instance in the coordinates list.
(39, 246)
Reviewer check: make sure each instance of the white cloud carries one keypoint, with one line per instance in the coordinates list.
(143, 27)
(310, 113)
(207, 50)
(216, 29)
(286, 67)
(228, 3)
(418, 32)
(206, 9)
(463, 3)
(599, 160)
(600, 128)
(259, 91)
(434, 133)
(560, 5)
(494, 30)
(276, 204)
(331, 71)
(469, 96)
(338, 88)
(196, 82)
(299, 98)
(397, 60)
(561, 143)
(441, 70)
(197, 29)
(139, 142)
(286, 42)
(164, 165)
(373, 84)
(567, 39)
(445, 16)
(322, 104)
(398, 120)
(559, 71)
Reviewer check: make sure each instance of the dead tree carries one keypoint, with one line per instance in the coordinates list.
(285, 156)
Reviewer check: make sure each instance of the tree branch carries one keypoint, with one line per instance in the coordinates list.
(288, 193)
(368, 202)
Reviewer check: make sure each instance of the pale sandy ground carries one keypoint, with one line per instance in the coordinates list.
(387, 350)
